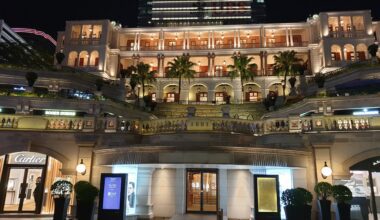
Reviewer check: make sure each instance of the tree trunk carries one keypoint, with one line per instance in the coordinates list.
(179, 89)
(242, 91)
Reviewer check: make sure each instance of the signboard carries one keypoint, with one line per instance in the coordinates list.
(27, 158)
(267, 199)
(131, 171)
(112, 193)
(112, 196)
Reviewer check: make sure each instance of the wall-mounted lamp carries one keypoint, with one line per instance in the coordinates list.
(81, 168)
(326, 171)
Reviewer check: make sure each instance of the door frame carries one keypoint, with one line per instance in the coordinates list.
(5, 176)
(201, 171)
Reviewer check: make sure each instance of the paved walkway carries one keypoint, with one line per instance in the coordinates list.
(194, 217)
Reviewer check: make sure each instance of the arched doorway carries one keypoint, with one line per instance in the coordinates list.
(25, 182)
(198, 93)
(224, 93)
(252, 92)
(349, 52)
(171, 93)
(336, 53)
(361, 51)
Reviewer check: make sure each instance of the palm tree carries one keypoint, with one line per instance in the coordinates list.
(144, 75)
(242, 68)
(286, 63)
(181, 67)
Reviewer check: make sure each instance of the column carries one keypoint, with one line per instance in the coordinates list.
(159, 64)
(212, 40)
(223, 192)
(287, 37)
(138, 41)
(262, 63)
(209, 40)
(234, 38)
(180, 190)
(265, 54)
(144, 193)
(188, 40)
(238, 38)
(184, 41)
(162, 65)
(135, 42)
(339, 28)
(291, 38)
(163, 40)
(209, 63)
(212, 64)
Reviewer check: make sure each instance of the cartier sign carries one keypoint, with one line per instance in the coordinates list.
(27, 158)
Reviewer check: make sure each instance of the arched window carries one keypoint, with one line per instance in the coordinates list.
(336, 53)
(361, 51)
(94, 58)
(83, 58)
(73, 59)
(349, 52)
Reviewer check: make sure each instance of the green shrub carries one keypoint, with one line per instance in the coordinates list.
(296, 197)
(85, 191)
(341, 193)
(323, 190)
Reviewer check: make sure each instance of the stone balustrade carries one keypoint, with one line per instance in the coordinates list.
(109, 124)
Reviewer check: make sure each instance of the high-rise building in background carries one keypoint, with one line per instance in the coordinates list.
(200, 12)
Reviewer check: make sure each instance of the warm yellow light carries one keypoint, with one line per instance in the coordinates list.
(81, 168)
(326, 171)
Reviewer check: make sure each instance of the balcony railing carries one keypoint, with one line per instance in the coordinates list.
(347, 34)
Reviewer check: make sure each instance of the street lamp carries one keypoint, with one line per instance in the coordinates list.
(326, 171)
(81, 168)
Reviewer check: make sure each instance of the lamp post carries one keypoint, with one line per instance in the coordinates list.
(326, 171)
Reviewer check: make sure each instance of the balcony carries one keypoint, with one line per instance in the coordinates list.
(347, 34)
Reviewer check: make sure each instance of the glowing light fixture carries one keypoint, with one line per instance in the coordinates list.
(81, 168)
(326, 171)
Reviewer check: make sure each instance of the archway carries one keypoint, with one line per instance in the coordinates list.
(198, 93)
(277, 88)
(72, 59)
(361, 51)
(224, 93)
(171, 93)
(83, 58)
(336, 53)
(252, 92)
(349, 52)
(25, 181)
(151, 90)
(94, 58)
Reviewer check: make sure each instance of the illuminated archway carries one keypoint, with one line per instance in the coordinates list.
(73, 59)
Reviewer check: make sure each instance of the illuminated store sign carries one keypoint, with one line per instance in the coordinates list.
(366, 112)
(112, 193)
(60, 113)
(27, 158)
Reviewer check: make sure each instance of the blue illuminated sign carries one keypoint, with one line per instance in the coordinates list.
(112, 193)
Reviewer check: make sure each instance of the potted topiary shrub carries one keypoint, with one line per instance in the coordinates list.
(85, 194)
(297, 204)
(60, 191)
(343, 195)
(323, 191)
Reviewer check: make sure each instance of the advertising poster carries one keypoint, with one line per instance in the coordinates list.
(112, 193)
(131, 186)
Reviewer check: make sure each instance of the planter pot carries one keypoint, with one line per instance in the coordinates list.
(298, 212)
(60, 208)
(344, 211)
(85, 210)
(324, 207)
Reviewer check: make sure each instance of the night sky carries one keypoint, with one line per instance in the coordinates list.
(50, 17)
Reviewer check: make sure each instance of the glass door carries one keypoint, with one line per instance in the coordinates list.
(23, 190)
(202, 191)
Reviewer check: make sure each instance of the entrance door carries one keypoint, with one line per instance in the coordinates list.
(21, 184)
(202, 191)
